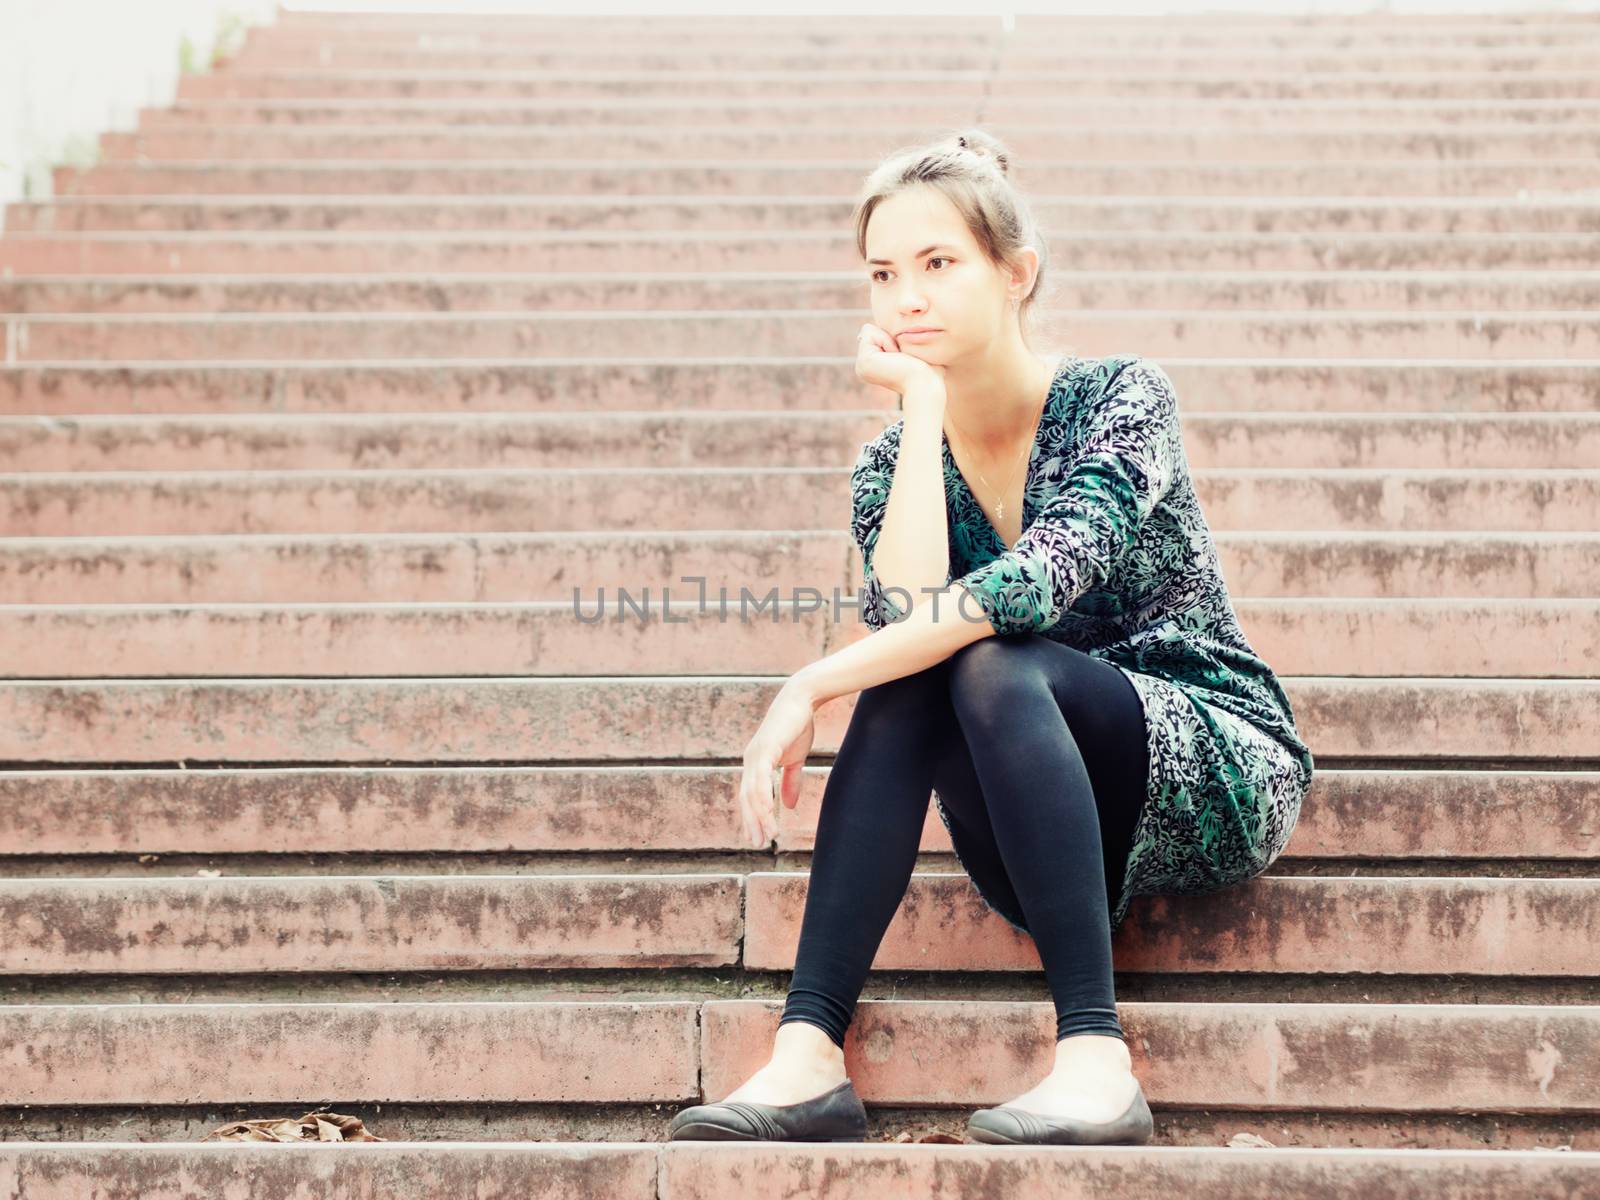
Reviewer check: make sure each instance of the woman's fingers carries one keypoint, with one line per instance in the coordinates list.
(764, 799)
(759, 818)
(789, 792)
(746, 814)
(755, 801)
(876, 337)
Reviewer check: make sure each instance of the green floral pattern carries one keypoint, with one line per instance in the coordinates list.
(1117, 559)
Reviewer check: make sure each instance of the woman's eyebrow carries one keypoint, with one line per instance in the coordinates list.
(889, 262)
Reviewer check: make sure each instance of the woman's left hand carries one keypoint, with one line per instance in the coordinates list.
(782, 743)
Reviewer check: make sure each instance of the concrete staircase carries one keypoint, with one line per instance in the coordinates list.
(327, 386)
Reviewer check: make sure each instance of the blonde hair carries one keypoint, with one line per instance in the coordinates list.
(970, 168)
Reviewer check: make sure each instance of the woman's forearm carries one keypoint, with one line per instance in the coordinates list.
(913, 549)
(939, 623)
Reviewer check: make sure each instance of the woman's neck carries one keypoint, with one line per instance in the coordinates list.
(995, 402)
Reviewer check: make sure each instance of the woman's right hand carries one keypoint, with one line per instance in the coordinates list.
(880, 360)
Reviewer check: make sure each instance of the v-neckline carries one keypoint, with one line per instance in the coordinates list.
(1027, 473)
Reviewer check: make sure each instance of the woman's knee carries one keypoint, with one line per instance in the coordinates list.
(908, 698)
(994, 679)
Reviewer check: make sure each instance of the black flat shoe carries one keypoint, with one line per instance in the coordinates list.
(835, 1116)
(1009, 1126)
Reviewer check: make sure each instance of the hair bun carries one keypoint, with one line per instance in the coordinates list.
(983, 146)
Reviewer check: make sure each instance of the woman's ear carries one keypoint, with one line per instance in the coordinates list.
(1023, 275)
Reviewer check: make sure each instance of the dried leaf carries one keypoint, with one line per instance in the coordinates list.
(1252, 1140)
(314, 1126)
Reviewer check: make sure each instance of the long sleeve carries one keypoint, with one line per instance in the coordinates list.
(1131, 452)
(870, 479)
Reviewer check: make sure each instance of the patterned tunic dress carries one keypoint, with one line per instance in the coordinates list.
(1117, 560)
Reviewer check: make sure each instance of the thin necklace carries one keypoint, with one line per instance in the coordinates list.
(999, 504)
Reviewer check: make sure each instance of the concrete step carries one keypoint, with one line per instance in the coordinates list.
(280, 441)
(1010, 58)
(393, 923)
(1467, 637)
(1374, 1060)
(1505, 291)
(1354, 1057)
(448, 720)
(150, 822)
(601, 112)
(1228, 31)
(288, 925)
(1152, 142)
(1271, 924)
(189, 337)
(139, 252)
(1264, 570)
(1553, 176)
(519, 567)
(469, 499)
(1109, 26)
(1136, 213)
(1016, 55)
(422, 1170)
(786, 383)
(644, 1170)
(308, 80)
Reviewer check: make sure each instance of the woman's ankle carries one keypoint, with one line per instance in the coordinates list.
(1097, 1051)
(800, 1045)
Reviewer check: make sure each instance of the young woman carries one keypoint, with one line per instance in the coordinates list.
(1055, 657)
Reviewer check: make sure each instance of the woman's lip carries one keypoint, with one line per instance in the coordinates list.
(921, 333)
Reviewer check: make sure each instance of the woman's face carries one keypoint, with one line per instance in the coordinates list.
(932, 273)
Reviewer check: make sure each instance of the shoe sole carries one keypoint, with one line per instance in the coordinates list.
(1135, 1127)
(993, 1138)
(705, 1131)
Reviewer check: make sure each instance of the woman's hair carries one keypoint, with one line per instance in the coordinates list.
(971, 169)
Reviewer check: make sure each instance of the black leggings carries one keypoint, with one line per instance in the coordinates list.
(1038, 752)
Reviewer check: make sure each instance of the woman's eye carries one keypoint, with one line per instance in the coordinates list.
(935, 258)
